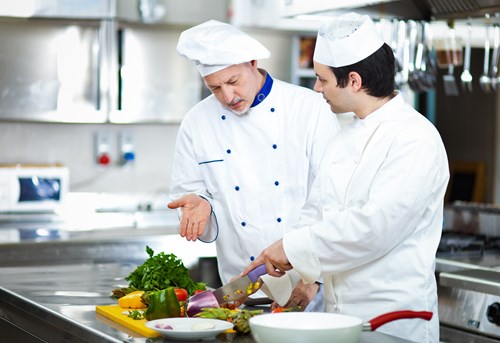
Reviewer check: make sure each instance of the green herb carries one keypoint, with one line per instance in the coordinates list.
(136, 314)
(162, 271)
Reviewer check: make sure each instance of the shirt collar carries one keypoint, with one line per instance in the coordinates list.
(264, 91)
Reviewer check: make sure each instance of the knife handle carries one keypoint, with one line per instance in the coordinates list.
(254, 274)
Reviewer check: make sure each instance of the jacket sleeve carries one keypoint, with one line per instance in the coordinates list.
(187, 178)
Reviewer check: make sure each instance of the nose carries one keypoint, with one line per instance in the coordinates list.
(318, 87)
(228, 94)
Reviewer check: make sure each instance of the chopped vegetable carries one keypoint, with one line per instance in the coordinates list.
(132, 300)
(238, 317)
(162, 304)
(161, 271)
(136, 314)
(164, 326)
(287, 309)
(253, 287)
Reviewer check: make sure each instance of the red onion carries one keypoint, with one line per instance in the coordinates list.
(199, 301)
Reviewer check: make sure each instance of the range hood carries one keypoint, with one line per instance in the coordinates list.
(404, 9)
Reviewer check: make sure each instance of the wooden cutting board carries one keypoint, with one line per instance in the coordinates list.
(115, 313)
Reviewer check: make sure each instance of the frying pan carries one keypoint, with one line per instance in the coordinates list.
(319, 327)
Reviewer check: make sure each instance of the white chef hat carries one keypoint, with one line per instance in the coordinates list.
(214, 46)
(346, 40)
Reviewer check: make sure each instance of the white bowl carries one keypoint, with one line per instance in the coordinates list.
(299, 327)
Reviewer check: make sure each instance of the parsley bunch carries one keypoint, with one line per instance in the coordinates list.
(161, 271)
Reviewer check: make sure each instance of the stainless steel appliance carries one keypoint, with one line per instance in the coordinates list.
(468, 269)
(32, 188)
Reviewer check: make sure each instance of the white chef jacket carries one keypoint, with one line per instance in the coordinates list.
(255, 169)
(373, 221)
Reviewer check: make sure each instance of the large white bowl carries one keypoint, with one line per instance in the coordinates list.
(299, 327)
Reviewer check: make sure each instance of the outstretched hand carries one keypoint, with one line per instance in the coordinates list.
(274, 258)
(195, 214)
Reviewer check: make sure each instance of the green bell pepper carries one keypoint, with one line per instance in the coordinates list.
(162, 304)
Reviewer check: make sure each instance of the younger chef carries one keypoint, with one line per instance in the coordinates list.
(245, 156)
(372, 223)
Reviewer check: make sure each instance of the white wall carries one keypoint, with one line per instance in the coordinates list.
(72, 145)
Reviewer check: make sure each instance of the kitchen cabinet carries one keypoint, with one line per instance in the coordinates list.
(49, 70)
(155, 84)
(302, 60)
(99, 61)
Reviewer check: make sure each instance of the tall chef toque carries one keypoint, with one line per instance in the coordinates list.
(346, 40)
(214, 46)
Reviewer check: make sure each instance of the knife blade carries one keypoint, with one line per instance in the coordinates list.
(236, 289)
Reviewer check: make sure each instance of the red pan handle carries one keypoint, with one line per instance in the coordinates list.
(389, 317)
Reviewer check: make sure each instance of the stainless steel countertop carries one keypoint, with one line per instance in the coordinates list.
(65, 296)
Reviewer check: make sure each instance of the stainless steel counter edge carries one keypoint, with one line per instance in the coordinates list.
(44, 323)
(51, 326)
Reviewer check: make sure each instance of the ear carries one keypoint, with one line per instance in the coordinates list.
(355, 81)
(253, 63)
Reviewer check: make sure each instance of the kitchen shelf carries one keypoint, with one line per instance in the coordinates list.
(302, 72)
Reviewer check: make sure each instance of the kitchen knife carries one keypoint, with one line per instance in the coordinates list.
(231, 291)
(237, 289)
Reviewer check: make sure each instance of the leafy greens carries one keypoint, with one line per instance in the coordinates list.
(161, 271)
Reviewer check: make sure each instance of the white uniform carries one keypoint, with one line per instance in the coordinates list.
(373, 221)
(255, 169)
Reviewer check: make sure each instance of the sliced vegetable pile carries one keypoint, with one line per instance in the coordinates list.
(238, 317)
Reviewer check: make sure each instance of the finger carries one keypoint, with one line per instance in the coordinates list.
(272, 270)
(184, 226)
(201, 227)
(176, 203)
(189, 231)
(194, 231)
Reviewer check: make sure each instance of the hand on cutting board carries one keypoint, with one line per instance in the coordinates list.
(195, 214)
(301, 296)
(274, 258)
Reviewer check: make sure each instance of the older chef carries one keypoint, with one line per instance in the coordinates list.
(245, 156)
(373, 220)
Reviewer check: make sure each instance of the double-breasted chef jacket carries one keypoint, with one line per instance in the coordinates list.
(255, 169)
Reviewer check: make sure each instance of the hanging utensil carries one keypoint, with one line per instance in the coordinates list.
(484, 79)
(466, 76)
(494, 60)
(450, 86)
(401, 76)
(412, 57)
(429, 64)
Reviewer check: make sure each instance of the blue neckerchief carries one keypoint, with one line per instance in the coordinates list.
(264, 91)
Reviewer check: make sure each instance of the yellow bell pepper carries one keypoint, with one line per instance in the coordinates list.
(132, 300)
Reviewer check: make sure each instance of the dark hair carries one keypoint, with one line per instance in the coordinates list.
(377, 72)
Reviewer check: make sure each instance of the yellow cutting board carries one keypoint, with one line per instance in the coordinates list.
(115, 313)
